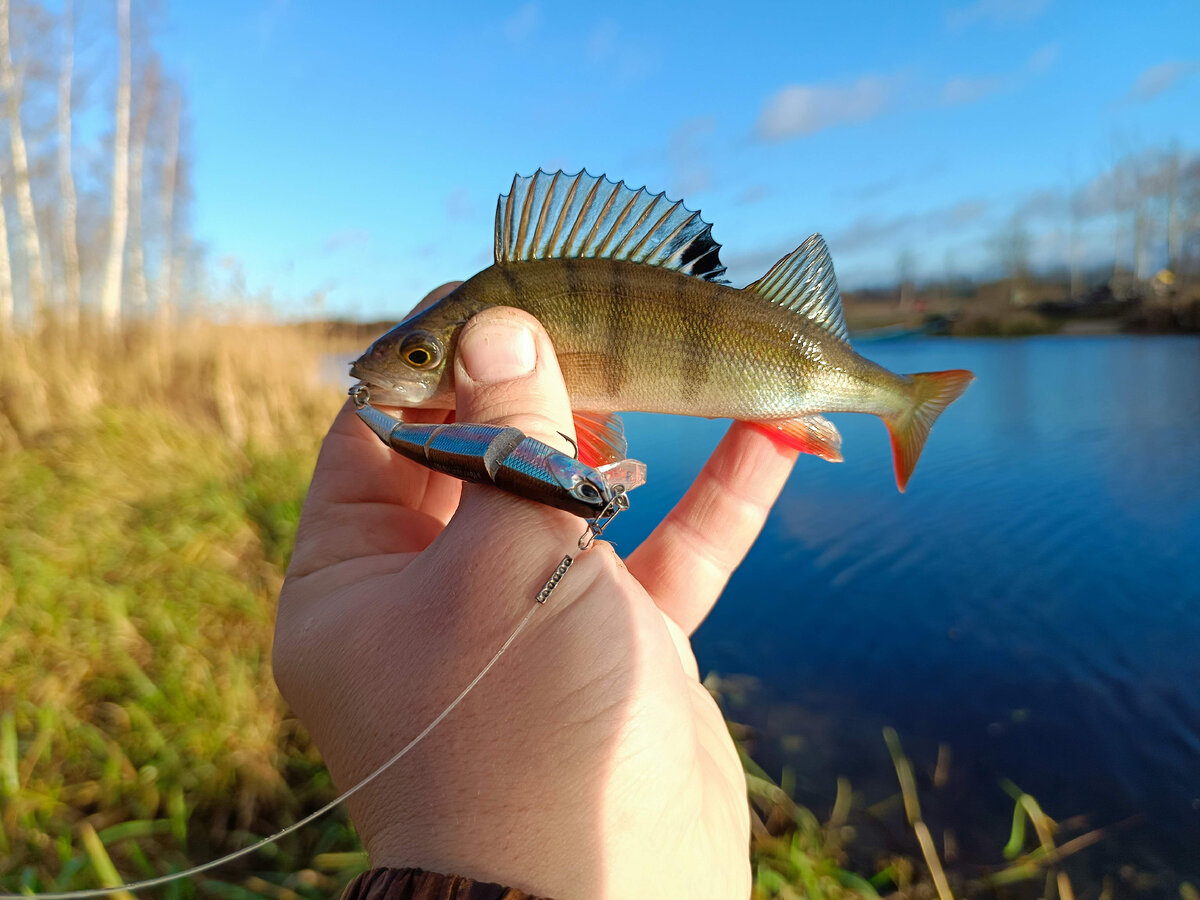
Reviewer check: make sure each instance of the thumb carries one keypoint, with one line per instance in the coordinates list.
(506, 373)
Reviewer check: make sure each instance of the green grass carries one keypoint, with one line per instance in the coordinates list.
(140, 560)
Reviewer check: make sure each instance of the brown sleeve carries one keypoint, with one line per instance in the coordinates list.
(417, 884)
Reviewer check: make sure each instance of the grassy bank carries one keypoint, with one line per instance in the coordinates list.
(150, 488)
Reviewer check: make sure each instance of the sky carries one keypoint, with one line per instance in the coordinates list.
(351, 154)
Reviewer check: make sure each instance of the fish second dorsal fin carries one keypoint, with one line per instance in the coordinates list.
(804, 282)
(561, 216)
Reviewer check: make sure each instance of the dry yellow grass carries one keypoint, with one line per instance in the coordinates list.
(246, 381)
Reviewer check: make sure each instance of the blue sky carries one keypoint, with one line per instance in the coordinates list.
(356, 150)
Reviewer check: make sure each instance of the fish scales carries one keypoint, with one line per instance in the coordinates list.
(625, 284)
(664, 342)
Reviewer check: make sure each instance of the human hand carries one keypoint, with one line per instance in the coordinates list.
(590, 762)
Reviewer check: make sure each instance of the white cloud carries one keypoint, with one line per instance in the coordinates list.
(996, 12)
(868, 233)
(1162, 77)
(962, 90)
(624, 57)
(801, 109)
(1043, 59)
(341, 240)
(970, 89)
(523, 22)
(755, 193)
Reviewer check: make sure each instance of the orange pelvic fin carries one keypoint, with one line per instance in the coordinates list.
(601, 438)
(932, 393)
(808, 434)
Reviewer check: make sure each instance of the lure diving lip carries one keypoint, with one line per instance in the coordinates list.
(509, 459)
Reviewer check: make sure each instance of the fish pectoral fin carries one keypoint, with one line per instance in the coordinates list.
(808, 434)
(804, 282)
(561, 216)
(600, 437)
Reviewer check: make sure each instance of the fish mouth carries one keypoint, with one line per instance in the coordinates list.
(382, 389)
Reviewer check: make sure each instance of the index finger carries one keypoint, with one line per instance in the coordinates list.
(686, 561)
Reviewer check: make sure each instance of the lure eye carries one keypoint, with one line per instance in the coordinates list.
(589, 491)
(421, 350)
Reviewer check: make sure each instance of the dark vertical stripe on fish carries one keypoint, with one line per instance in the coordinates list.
(573, 309)
(514, 285)
(616, 333)
(704, 334)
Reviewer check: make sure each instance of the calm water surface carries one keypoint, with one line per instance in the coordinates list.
(1032, 601)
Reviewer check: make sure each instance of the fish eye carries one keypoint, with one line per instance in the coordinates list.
(421, 350)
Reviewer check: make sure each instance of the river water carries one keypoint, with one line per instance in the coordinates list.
(1032, 602)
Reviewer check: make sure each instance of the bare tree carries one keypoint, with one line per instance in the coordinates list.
(1012, 246)
(1170, 181)
(137, 153)
(905, 265)
(10, 84)
(66, 180)
(168, 180)
(110, 300)
(1073, 209)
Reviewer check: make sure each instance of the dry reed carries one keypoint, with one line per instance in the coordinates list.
(244, 380)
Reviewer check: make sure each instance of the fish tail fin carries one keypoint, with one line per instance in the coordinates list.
(932, 392)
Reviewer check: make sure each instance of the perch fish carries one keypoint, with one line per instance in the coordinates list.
(628, 286)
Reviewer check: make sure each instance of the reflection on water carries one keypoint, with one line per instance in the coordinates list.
(1033, 600)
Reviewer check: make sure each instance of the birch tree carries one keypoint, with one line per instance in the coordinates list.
(137, 154)
(167, 185)
(110, 299)
(66, 181)
(11, 86)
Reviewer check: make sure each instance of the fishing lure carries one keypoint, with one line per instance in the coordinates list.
(507, 458)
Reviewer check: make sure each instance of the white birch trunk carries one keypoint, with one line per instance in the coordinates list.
(137, 152)
(166, 270)
(9, 84)
(110, 299)
(66, 180)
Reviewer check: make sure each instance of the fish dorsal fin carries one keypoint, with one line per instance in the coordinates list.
(804, 282)
(561, 216)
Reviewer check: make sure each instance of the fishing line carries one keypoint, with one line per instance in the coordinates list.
(312, 817)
